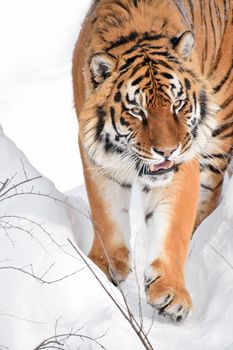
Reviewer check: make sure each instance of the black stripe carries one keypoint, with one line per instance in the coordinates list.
(191, 8)
(213, 169)
(183, 13)
(187, 84)
(135, 2)
(149, 37)
(120, 84)
(205, 52)
(138, 80)
(129, 61)
(219, 54)
(146, 189)
(119, 4)
(201, 7)
(195, 102)
(122, 184)
(222, 128)
(194, 131)
(110, 147)
(225, 10)
(137, 68)
(148, 216)
(123, 40)
(212, 189)
(117, 97)
(203, 104)
(230, 134)
(128, 99)
(212, 23)
(187, 141)
(228, 115)
(101, 114)
(155, 47)
(218, 16)
(160, 53)
(215, 155)
(162, 63)
(227, 102)
(207, 187)
(167, 75)
(224, 79)
(112, 112)
(123, 122)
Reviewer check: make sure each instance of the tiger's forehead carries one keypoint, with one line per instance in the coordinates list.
(134, 93)
(142, 92)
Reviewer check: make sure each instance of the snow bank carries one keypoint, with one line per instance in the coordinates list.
(63, 295)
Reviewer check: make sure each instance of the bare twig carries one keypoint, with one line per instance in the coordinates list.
(8, 191)
(138, 285)
(41, 279)
(152, 322)
(24, 170)
(129, 317)
(15, 186)
(4, 184)
(20, 318)
(221, 256)
(58, 341)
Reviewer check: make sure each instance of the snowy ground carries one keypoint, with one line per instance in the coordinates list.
(46, 290)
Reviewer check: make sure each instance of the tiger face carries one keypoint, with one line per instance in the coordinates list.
(155, 116)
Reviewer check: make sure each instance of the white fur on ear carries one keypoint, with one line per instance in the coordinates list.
(183, 45)
(101, 66)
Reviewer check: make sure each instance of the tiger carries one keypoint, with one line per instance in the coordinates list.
(153, 92)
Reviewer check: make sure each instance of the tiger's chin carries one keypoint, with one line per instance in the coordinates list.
(160, 178)
(158, 175)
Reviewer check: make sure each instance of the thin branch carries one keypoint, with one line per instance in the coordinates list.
(4, 184)
(15, 186)
(133, 323)
(138, 285)
(5, 194)
(20, 318)
(29, 232)
(39, 279)
(221, 256)
(10, 226)
(152, 322)
(24, 170)
(58, 340)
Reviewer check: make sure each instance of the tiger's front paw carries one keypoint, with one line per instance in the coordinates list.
(115, 265)
(167, 294)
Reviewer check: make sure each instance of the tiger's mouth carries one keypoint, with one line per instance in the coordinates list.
(159, 169)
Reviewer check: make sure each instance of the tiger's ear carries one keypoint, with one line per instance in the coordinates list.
(183, 44)
(101, 66)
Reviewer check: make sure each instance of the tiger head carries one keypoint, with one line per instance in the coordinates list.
(149, 111)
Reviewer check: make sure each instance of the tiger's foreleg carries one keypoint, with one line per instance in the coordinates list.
(210, 192)
(170, 215)
(109, 204)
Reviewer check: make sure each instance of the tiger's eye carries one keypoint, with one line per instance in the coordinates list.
(178, 103)
(136, 111)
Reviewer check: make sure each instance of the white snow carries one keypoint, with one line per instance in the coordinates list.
(36, 219)
(36, 105)
(34, 228)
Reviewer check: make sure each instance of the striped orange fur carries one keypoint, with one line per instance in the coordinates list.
(153, 91)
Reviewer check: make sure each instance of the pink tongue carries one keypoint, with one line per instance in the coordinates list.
(161, 166)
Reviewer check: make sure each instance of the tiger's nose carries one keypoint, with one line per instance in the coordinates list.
(165, 152)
